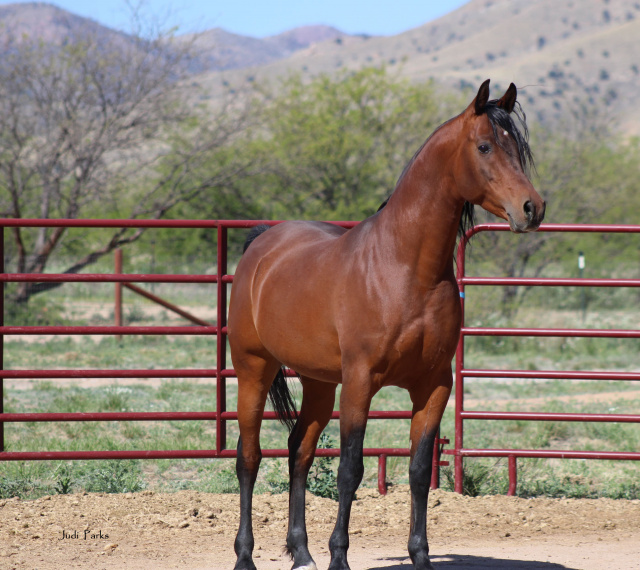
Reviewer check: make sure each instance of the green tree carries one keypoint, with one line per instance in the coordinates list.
(334, 147)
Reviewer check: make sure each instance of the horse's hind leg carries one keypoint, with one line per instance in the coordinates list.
(315, 413)
(255, 376)
(429, 401)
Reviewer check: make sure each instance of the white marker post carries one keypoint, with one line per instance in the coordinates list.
(583, 296)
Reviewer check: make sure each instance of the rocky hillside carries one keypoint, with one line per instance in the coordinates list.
(48, 23)
(218, 49)
(561, 53)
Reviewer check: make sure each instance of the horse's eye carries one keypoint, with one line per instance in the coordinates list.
(484, 148)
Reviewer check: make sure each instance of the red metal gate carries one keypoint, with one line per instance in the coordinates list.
(461, 372)
(221, 371)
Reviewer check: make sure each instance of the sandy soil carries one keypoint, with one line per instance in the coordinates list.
(196, 530)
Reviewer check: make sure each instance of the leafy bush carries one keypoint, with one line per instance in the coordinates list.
(277, 477)
(322, 480)
(117, 476)
(64, 480)
(477, 479)
(222, 481)
(24, 488)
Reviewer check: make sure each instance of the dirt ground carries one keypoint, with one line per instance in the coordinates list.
(196, 530)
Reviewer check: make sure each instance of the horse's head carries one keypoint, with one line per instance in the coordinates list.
(494, 158)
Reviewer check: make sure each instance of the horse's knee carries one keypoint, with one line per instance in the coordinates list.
(248, 460)
(249, 463)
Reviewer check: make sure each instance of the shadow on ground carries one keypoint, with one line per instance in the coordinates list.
(466, 562)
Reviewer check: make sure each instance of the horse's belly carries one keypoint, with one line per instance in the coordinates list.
(294, 324)
(311, 351)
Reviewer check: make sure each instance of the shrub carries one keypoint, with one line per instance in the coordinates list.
(118, 476)
(322, 480)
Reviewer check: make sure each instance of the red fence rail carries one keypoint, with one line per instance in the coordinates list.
(221, 372)
(459, 451)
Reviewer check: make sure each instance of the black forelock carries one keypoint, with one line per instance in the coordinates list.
(500, 119)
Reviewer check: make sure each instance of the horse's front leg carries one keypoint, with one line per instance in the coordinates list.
(429, 401)
(355, 400)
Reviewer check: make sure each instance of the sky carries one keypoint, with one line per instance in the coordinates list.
(261, 18)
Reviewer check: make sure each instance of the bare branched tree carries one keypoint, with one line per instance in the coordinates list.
(91, 126)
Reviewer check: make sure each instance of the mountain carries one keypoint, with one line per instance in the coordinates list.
(218, 49)
(214, 49)
(560, 53)
(47, 22)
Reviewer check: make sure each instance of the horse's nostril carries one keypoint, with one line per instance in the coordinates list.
(529, 210)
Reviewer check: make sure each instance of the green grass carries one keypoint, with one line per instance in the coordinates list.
(131, 352)
(536, 477)
(549, 477)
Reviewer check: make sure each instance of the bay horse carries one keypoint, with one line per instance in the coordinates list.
(376, 305)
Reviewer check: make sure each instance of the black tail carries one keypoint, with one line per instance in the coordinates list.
(282, 401)
(253, 234)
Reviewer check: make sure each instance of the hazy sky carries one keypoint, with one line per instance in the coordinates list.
(261, 18)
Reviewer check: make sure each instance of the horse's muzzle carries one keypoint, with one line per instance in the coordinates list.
(532, 217)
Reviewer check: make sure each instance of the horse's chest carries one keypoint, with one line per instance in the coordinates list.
(427, 339)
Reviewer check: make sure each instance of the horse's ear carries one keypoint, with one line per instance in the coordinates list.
(508, 100)
(480, 102)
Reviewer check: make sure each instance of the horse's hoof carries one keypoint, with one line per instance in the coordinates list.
(424, 565)
(310, 566)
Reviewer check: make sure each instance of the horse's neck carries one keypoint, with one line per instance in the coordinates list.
(423, 215)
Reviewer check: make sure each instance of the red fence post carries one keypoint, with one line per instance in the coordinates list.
(221, 341)
(117, 311)
(382, 474)
(435, 462)
(458, 470)
(2, 338)
(513, 475)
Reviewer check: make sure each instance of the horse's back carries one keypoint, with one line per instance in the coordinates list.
(285, 238)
